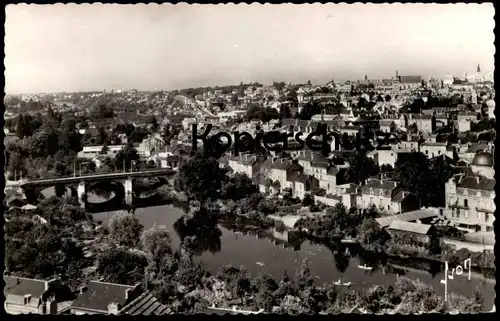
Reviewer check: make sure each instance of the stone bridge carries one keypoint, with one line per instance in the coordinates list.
(125, 178)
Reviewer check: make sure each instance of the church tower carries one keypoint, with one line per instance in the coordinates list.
(478, 68)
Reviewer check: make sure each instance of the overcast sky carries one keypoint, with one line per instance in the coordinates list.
(93, 47)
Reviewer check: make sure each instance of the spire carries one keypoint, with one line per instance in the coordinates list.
(397, 74)
(478, 68)
(366, 77)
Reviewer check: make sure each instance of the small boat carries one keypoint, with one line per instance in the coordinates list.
(341, 283)
(260, 263)
(365, 267)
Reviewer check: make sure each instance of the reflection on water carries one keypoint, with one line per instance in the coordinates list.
(247, 246)
(58, 190)
(97, 198)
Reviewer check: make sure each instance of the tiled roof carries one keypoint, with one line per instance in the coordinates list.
(471, 182)
(319, 165)
(281, 164)
(477, 147)
(23, 286)
(99, 294)
(312, 157)
(298, 177)
(333, 170)
(410, 227)
(334, 197)
(399, 197)
(386, 122)
(405, 217)
(377, 183)
(145, 304)
(419, 116)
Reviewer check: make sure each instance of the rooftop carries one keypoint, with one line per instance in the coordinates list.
(22, 286)
(145, 304)
(99, 294)
(406, 217)
(410, 227)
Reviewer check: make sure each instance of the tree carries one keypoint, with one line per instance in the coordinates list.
(285, 111)
(104, 149)
(102, 111)
(156, 242)
(434, 245)
(201, 178)
(125, 229)
(414, 173)
(371, 235)
(238, 187)
(303, 276)
(308, 200)
(310, 109)
(126, 156)
(121, 266)
(360, 167)
(388, 98)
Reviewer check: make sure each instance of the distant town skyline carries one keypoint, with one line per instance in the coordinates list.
(91, 47)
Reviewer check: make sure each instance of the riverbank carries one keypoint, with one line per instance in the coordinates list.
(244, 242)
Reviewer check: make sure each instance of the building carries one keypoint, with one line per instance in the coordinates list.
(387, 125)
(278, 171)
(464, 121)
(307, 158)
(225, 116)
(104, 298)
(301, 184)
(24, 295)
(433, 149)
(91, 152)
(387, 196)
(417, 216)
(421, 232)
(326, 176)
(470, 202)
(425, 123)
(246, 164)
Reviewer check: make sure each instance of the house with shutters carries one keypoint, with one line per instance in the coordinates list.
(301, 184)
(277, 171)
(387, 196)
(25, 295)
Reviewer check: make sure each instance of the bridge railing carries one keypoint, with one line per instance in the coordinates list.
(52, 177)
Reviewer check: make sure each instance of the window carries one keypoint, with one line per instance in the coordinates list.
(466, 203)
(392, 154)
(426, 152)
(466, 214)
(439, 152)
(388, 207)
(458, 213)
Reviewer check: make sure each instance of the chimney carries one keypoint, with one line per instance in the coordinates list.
(477, 179)
(282, 161)
(18, 281)
(113, 308)
(127, 294)
(83, 289)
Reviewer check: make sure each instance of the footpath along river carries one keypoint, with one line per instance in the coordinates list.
(262, 255)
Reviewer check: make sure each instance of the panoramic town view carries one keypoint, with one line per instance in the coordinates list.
(249, 159)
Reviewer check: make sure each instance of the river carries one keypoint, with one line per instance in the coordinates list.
(262, 255)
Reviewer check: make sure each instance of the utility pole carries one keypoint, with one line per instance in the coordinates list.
(74, 169)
